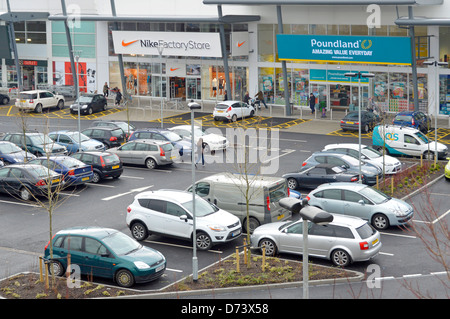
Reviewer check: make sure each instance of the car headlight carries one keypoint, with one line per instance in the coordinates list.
(84, 106)
(141, 265)
(217, 227)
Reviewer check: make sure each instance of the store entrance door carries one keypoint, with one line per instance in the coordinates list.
(28, 77)
(320, 92)
(177, 88)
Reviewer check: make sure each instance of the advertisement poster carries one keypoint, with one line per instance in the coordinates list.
(267, 83)
(380, 89)
(62, 75)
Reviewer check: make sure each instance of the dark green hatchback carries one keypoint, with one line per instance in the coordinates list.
(107, 253)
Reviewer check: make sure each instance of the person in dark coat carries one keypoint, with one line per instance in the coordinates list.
(246, 98)
(312, 103)
(260, 98)
(118, 97)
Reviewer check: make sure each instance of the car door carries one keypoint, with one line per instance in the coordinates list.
(291, 238)
(321, 239)
(98, 260)
(315, 177)
(140, 153)
(330, 200)
(245, 109)
(127, 152)
(175, 225)
(65, 140)
(4, 185)
(410, 145)
(73, 246)
(154, 216)
(16, 180)
(356, 205)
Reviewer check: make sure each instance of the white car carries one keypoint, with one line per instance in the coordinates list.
(368, 155)
(38, 100)
(169, 213)
(214, 142)
(232, 110)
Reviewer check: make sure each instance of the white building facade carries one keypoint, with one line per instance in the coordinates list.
(44, 57)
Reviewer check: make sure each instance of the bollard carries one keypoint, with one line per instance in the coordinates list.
(263, 265)
(245, 251)
(421, 157)
(237, 260)
(377, 181)
(41, 276)
(392, 186)
(46, 276)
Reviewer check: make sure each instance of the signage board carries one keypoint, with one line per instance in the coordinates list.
(5, 50)
(194, 44)
(239, 44)
(348, 49)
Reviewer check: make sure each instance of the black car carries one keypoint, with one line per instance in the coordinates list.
(126, 127)
(351, 121)
(320, 174)
(104, 164)
(89, 103)
(28, 180)
(4, 99)
(110, 136)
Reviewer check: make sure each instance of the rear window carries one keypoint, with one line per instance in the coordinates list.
(366, 231)
(351, 116)
(278, 192)
(27, 96)
(403, 118)
(108, 159)
(222, 106)
(117, 132)
(167, 147)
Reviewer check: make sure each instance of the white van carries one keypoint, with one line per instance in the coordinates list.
(227, 191)
(401, 140)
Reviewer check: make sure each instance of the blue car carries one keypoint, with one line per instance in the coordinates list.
(417, 120)
(71, 140)
(182, 144)
(10, 153)
(106, 253)
(74, 171)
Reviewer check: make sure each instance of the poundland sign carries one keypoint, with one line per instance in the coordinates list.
(350, 49)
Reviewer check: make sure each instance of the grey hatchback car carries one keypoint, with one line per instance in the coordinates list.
(361, 201)
(343, 241)
(148, 153)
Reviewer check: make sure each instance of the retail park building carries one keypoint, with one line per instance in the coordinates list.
(174, 49)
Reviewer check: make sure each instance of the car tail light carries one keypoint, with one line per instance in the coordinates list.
(364, 245)
(229, 109)
(342, 122)
(41, 183)
(357, 123)
(288, 192)
(102, 161)
(46, 246)
(304, 163)
(308, 198)
(128, 209)
(31, 101)
(413, 123)
(113, 139)
(71, 172)
(354, 179)
(161, 152)
(268, 202)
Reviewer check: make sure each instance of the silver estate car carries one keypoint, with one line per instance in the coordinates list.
(343, 241)
(361, 201)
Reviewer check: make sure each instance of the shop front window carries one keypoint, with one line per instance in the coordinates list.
(398, 95)
(301, 86)
(144, 81)
(444, 44)
(266, 84)
(266, 43)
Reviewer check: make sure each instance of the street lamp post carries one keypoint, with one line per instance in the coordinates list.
(77, 94)
(359, 75)
(193, 106)
(436, 64)
(308, 213)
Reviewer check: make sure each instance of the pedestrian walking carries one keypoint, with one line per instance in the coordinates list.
(246, 98)
(225, 97)
(201, 150)
(260, 98)
(118, 97)
(312, 103)
(106, 90)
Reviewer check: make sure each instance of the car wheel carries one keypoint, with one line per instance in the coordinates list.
(96, 178)
(203, 241)
(25, 194)
(366, 128)
(207, 149)
(252, 113)
(104, 107)
(380, 222)
(38, 108)
(124, 278)
(253, 224)
(150, 163)
(5, 101)
(89, 110)
(269, 246)
(428, 155)
(340, 258)
(139, 231)
(292, 183)
(234, 118)
(56, 268)
(60, 105)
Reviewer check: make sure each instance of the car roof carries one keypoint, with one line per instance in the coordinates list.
(97, 153)
(346, 220)
(352, 146)
(327, 153)
(150, 142)
(168, 194)
(233, 178)
(400, 127)
(35, 91)
(92, 231)
(343, 185)
(229, 102)
(22, 165)
(106, 128)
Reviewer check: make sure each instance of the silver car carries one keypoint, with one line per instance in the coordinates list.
(148, 153)
(343, 241)
(361, 201)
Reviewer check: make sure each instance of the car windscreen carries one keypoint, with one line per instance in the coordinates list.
(374, 195)
(278, 192)
(351, 116)
(42, 171)
(83, 137)
(7, 148)
(172, 136)
(222, 106)
(167, 147)
(121, 244)
(71, 162)
(41, 139)
(422, 137)
(370, 152)
(202, 207)
(366, 231)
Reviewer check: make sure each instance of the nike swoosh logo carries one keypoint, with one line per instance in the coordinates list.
(125, 44)
(240, 44)
(172, 69)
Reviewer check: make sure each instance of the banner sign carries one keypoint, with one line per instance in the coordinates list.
(338, 76)
(239, 44)
(197, 44)
(349, 49)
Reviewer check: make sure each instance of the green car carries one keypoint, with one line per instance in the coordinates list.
(107, 253)
(447, 170)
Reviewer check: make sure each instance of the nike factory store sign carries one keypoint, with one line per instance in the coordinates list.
(194, 44)
(349, 49)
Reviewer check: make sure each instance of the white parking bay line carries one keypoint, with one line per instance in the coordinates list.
(141, 189)
(18, 203)
(101, 185)
(135, 177)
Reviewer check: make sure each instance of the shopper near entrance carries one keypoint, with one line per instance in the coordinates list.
(312, 103)
(201, 150)
(246, 98)
(225, 98)
(118, 97)
(260, 98)
(105, 89)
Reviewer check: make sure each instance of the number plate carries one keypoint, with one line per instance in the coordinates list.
(350, 123)
(85, 179)
(236, 233)
(116, 166)
(218, 111)
(55, 181)
(375, 241)
(280, 217)
(159, 268)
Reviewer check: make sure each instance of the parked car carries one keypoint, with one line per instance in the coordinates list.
(398, 140)
(105, 252)
(232, 111)
(361, 201)
(38, 144)
(109, 136)
(126, 127)
(71, 140)
(368, 155)
(104, 164)
(447, 170)
(183, 146)
(214, 142)
(343, 241)
(89, 103)
(169, 213)
(417, 120)
(10, 153)
(4, 99)
(28, 180)
(74, 171)
(319, 174)
(350, 122)
(37, 100)
(148, 153)
(369, 172)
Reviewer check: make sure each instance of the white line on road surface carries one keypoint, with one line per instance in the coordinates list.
(127, 193)
(101, 185)
(181, 246)
(126, 176)
(272, 158)
(399, 235)
(17, 203)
